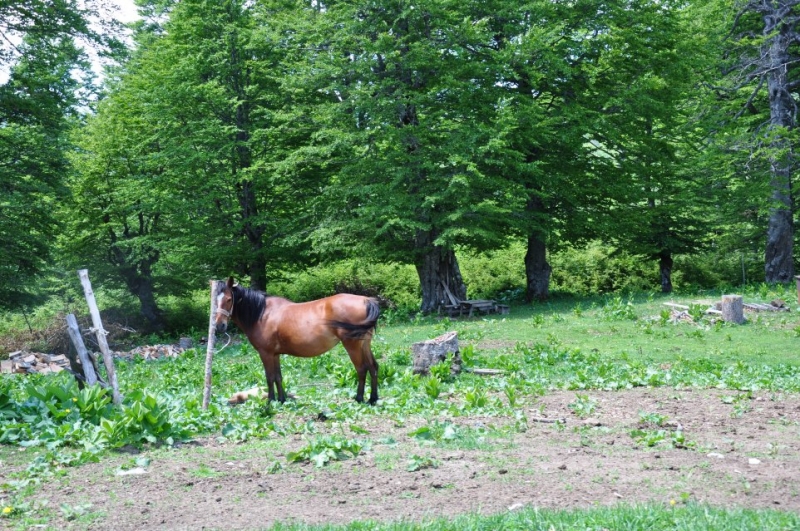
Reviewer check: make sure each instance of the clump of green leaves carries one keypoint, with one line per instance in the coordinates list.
(418, 462)
(476, 397)
(652, 419)
(59, 414)
(616, 309)
(648, 438)
(436, 431)
(583, 406)
(433, 387)
(323, 450)
(441, 370)
(740, 402)
(697, 311)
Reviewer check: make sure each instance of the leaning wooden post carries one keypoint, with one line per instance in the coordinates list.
(97, 323)
(210, 345)
(83, 355)
(733, 309)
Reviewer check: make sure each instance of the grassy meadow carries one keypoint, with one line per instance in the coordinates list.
(594, 343)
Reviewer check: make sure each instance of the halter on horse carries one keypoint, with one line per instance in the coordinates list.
(278, 326)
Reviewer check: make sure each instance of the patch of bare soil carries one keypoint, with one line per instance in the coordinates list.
(743, 454)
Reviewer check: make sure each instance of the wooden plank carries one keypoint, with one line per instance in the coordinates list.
(486, 372)
(453, 300)
(80, 347)
(97, 322)
(678, 306)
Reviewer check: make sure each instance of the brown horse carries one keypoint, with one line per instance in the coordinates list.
(278, 326)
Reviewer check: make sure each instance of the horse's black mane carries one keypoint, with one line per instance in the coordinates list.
(248, 306)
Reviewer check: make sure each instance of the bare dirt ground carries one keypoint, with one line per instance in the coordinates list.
(741, 453)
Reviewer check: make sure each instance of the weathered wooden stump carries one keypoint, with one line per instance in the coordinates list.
(433, 351)
(733, 309)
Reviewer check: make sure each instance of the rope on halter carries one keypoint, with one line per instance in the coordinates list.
(224, 346)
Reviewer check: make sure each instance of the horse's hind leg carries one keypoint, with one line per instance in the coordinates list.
(353, 348)
(363, 360)
(373, 370)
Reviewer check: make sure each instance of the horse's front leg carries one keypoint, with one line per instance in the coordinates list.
(279, 379)
(272, 372)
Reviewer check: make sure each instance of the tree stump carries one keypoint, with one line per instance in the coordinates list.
(433, 351)
(733, 309)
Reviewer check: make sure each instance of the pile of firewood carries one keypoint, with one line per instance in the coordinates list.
(22, 362)
(152, 352)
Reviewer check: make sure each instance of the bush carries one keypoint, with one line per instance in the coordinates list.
(495, 275)
(188, 314)
(599, 269)
(397, 283)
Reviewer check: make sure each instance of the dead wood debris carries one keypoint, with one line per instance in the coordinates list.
(24, 362)
(21, 362)
(680, 312)
(152, 352)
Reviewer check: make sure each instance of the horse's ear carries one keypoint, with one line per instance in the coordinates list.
(230, 282)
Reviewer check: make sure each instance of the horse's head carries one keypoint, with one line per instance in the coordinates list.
(224, 305)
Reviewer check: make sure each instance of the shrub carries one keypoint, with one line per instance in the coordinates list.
(396, 283)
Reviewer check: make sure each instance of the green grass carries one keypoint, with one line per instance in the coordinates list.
(608, 343)
(620, 327)
(618, 518)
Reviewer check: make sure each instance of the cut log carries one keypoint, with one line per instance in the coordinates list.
(732, 309)
(758, 307)
(433, 351)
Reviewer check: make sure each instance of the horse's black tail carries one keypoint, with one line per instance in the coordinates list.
(359, 330)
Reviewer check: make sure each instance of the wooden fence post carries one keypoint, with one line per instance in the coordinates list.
(97, 323)
(210, 345)
(83, 355)
(733, 309)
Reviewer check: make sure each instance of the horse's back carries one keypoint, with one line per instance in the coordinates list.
(310, 328)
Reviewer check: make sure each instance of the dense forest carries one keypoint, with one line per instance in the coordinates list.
(251, 138)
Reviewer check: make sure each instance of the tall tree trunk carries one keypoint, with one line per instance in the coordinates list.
(437, 266)
(665, 268)
(252, 228)
(139, 282)
(537, 269)
(778, 256)
(148, 305)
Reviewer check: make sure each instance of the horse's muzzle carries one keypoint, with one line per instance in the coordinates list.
(221, 327)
